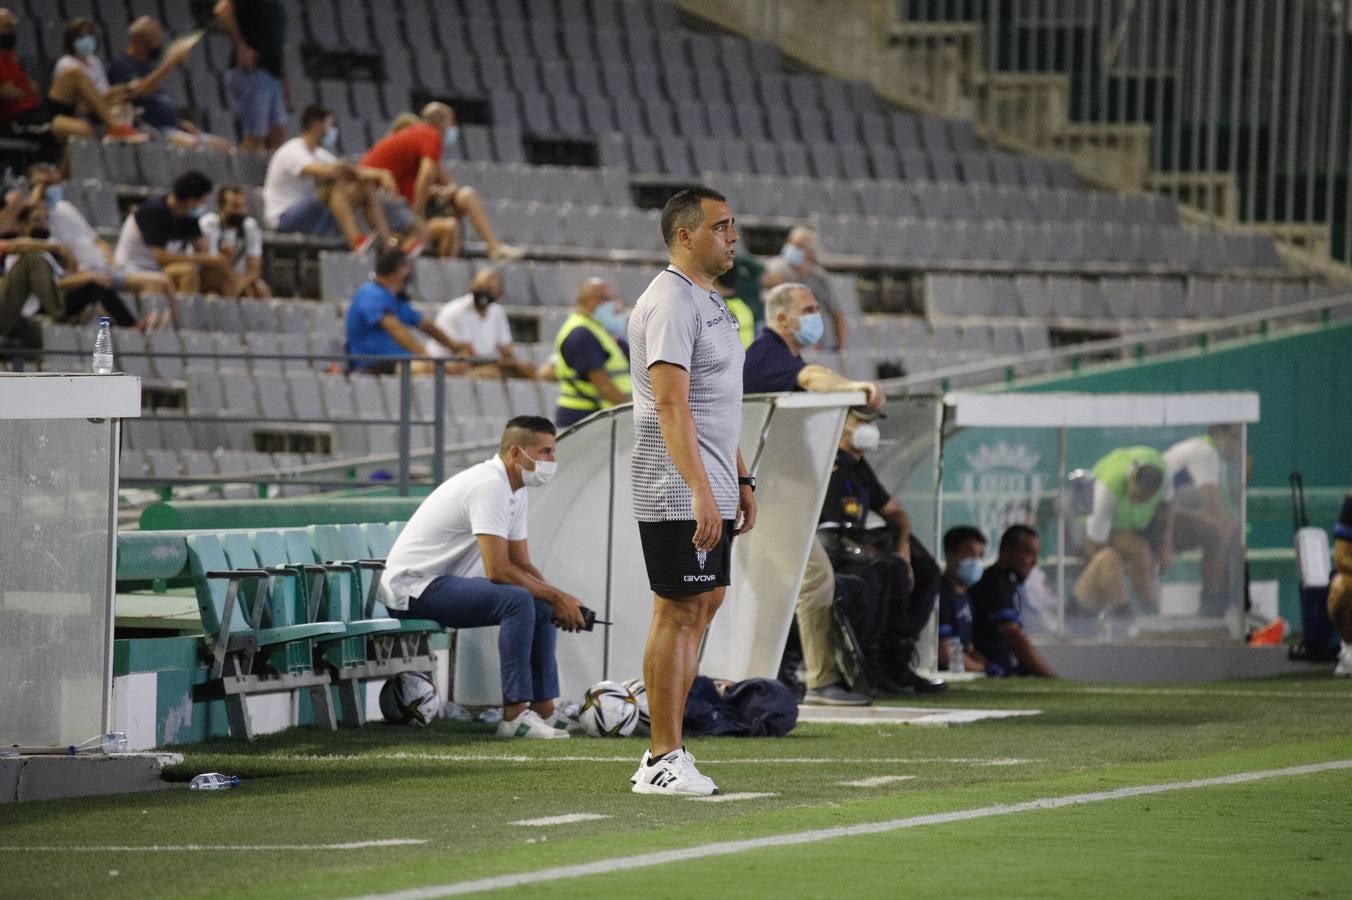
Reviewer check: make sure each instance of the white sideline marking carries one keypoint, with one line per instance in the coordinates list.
(726, 848)
(567, 819)
(768, 761)
(904, 715)
(724, 798)
(1179, 692)
(177, 848)
(875, 781)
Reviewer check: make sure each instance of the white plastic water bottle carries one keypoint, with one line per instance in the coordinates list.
(103, 347)
(114, 742)
(955, 663)
(213, 781)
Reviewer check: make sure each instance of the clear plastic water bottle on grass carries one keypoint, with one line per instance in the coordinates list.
(213, 781)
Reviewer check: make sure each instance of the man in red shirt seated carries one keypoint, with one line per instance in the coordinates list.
(413, 156)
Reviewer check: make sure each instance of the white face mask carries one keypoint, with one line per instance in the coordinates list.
(865, 437)
(541, 475)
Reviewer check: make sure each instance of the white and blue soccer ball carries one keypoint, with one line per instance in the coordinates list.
(409, 697)
(608, 710)
(640, 693)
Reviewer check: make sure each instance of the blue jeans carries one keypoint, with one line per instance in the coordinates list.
(309, 216)
(259, 101)
(525, 639)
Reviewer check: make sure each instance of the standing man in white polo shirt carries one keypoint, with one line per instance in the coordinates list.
(462, 560)
(692, 491)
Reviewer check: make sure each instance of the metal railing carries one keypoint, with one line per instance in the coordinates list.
(1008, 369)
(404, 422)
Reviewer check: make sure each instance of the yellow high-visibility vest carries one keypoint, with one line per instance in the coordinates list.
(575, 391)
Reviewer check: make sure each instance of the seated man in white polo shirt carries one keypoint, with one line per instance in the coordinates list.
(479, 319)
(462, 560)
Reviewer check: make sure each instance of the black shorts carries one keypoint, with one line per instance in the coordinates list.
(675, 568)
(34, 124)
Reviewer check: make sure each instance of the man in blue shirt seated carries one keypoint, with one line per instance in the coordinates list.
(964, 545)
(997, 608)
(144, 67)
(380, 316)
(774, 361)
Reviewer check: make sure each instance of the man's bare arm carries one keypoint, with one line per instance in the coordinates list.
(1024, 651)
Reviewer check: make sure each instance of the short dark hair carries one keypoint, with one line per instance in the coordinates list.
(511, 434)
(312, 114)
(683, 210)
(191, 185)
(1013, 535)
(226, 190)
(76, 28)
(389, 260)
(1148, 477)
(958, 535)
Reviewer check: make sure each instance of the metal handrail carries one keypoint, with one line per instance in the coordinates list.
(1005, 365)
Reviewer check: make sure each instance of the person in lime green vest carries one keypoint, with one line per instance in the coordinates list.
(591, 357)
(1129, 532)
(746, 319)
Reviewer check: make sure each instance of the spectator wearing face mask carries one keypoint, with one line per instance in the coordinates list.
(592, 355)
(309, 190)
(142, 68)
(164, 235)
(80, 87)
(89, 252)
(234, 234)
(964, 546)
(478, 321)
(797, 262)
(902, 577)
(774, 363)
(412, 156)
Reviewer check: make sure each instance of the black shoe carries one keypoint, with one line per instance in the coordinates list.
(887, 684)
(913, 681)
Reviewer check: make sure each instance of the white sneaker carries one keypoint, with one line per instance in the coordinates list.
(1344, 667)
(674, 774)
(506, 253)
(564, 723)
(529, 725)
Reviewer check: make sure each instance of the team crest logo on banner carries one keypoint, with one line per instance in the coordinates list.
(1002, 487)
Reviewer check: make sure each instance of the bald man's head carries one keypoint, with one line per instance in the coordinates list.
(592, 294)
(438, 114)
(487, 280)
(145, 37)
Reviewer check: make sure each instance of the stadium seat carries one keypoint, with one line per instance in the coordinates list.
(237, 641)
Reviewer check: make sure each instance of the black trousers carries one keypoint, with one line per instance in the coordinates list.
(906, 595)
(85, 296)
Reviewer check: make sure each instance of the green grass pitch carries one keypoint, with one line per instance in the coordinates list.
(459, 791)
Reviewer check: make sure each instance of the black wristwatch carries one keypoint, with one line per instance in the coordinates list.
(748, 480)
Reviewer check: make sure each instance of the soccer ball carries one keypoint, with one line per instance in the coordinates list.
(640, 693)
(409, 697)
(608, 710)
